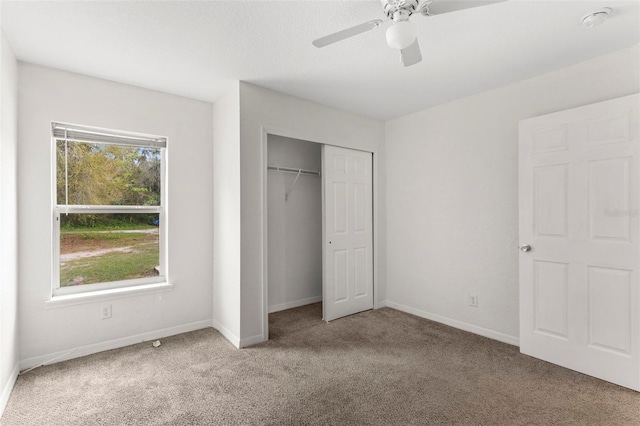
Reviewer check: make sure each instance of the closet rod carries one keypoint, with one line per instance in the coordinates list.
(292, 170)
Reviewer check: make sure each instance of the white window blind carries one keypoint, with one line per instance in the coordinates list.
(85, 134)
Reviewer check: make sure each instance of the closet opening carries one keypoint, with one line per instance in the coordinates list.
(318, 232)
(294, 224)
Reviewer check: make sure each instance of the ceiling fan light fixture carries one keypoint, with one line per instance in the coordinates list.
(596, 18)
(401, 35)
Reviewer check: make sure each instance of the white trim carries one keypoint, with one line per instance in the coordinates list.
(381, 304)
(226, 333)
(253, 340)
(491, 334)
(158, 142)
(323, 217)
(264, 193)
(8, 387)
(294, 304)
(113, 344)
(108, 285)
(110, 294)
(375, 223)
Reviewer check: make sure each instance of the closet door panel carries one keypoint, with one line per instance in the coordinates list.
(348, 232)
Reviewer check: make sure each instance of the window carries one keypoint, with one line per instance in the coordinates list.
(108, 214)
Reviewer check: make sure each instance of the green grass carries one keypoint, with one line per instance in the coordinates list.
(111, 266)
(114, 266)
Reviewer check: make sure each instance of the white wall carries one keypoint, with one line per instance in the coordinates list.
(226, 215)
(452, 193)
(294, 225)
(265, 111)
(8, 222)
(47, 95)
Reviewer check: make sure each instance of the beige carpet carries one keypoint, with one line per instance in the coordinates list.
(380, 367)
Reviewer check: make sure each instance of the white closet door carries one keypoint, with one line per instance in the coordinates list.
(579, 213)
(348, 232)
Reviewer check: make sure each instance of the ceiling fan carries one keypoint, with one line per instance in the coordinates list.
(401, 34)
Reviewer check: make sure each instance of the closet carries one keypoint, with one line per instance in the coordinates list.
(294, 221)
(319, 227)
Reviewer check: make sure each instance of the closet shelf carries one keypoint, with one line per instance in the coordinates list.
(292, 170)
(298, 172)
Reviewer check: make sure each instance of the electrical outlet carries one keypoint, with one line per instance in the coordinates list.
(473, 300)
(106, 312)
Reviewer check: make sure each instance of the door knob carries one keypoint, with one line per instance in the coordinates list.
(525, 248)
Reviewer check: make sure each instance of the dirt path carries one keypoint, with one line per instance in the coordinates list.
(64, 258)
(122, 231)
(78, 245)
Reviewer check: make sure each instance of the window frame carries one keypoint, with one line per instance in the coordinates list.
(60, 209)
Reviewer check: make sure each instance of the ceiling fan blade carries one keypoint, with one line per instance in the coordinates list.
(438, 7)
(411, 55)
(349, 32)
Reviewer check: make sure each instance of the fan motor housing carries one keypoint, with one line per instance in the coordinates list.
(393, 6)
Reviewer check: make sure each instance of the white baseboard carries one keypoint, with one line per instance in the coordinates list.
(294, 304)
(8, 387)
(381, 304)
(235, 340)
(492, 334)
(112, 344)
(227, 334)
(253, 340)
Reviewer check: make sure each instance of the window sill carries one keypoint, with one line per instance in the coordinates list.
(115, 293)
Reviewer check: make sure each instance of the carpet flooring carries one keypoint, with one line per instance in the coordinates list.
(381, 367)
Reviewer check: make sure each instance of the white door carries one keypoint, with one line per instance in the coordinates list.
(347, 286)
(579, 213)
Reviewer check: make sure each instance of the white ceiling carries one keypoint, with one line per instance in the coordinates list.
(197, 48)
